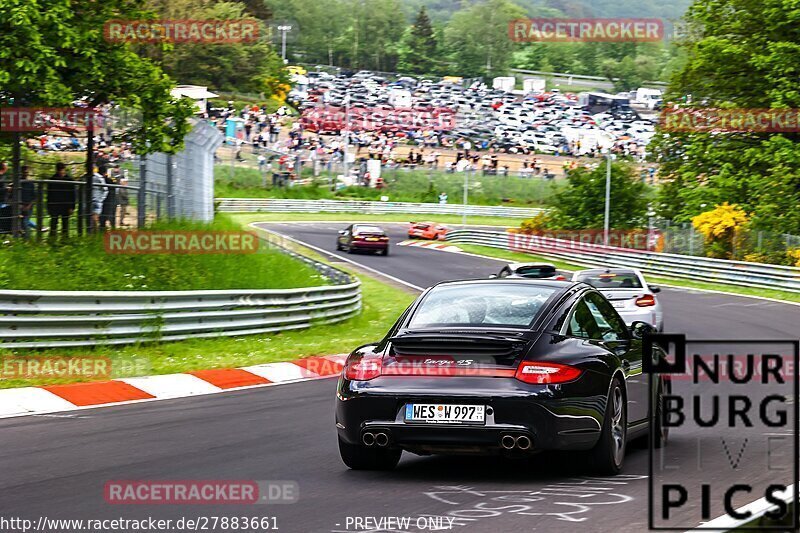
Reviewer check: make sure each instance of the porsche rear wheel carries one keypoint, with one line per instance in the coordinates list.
(608, 455)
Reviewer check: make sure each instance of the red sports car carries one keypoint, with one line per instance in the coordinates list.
(427, 230)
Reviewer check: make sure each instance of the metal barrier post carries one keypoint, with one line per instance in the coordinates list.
(170, 189)
(16, 189)
(81, 201)
(141, 195)
(39, 210)
(86, 212)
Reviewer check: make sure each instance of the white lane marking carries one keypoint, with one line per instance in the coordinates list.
(345, 259)
(711, 291)
(171, 385)
(758, 304)
(60, 416)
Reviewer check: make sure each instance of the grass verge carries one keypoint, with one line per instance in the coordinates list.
(454, 220)
(400, 186)
(82, 263)
(382, 304)
(656, 280)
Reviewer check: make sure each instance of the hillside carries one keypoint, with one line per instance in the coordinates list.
(441, 10)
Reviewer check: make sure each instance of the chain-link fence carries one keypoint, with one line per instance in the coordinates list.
(747, 245)
(135, 191)
(250, 170)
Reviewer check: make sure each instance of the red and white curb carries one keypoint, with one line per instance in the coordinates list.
(430, 244)
(57, 398)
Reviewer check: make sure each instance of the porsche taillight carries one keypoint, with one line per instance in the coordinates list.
(647, 300)
(363, 368)
(537, 373)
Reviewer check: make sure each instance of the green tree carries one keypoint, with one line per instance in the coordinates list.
(320, 28)
(477, 38)
(419, 48)
(53, 53)
(738, 54)
(581, 204)
(252, 67)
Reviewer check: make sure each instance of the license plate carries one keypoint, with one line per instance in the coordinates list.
(445, 413)
(373, 239)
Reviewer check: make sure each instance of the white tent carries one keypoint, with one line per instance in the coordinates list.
(199, 94)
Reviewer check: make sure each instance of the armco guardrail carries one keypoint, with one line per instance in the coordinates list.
(679, 266)
(249, 205)
(45, 319)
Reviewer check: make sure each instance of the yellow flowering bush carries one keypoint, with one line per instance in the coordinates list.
(535, 224)
(719, 227)
(795, 256)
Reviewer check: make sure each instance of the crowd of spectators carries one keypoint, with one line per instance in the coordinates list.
(60, 197)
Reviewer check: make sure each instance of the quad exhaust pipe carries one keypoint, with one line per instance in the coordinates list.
(511, 442)
(371, 439)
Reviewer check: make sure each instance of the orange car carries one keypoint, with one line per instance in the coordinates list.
(427, 230)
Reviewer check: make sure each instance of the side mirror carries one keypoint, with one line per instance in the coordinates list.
(654, 289)
(639, 329)
(342, 231)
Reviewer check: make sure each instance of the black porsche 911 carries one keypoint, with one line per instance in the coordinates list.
(508, 367)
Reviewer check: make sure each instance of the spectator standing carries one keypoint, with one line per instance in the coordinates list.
(99, 194)
(29, 196)
(108, 216)
(123, 200)
(61, 198)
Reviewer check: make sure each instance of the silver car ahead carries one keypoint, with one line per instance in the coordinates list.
(628, 292)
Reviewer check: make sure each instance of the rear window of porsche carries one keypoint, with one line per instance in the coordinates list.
(511, 305)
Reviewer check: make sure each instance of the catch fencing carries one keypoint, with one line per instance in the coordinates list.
(738, 273)
(250, 205)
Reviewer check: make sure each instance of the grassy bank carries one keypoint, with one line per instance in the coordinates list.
(382, 304)
(401, 186)
(83, 264)
(454, 220)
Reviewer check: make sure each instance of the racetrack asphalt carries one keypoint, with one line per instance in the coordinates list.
(57, 465)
